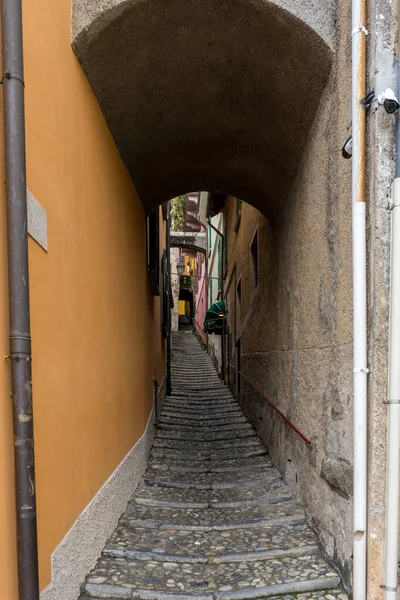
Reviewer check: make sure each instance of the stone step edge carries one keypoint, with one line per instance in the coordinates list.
(203, 469)
(179, 415)
(114, 592)
(200, 407)
(211, 443)
(263, 500)
(194, 420)
(228, 557)
(207, 428)
(184, 404)
(295, 519)
(164, 434)
(194, 456)
(212, 485)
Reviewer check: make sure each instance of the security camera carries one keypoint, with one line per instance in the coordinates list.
(347, 149)
(389, 101)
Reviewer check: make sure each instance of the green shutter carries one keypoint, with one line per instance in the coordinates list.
(226, 247)
(219, 265)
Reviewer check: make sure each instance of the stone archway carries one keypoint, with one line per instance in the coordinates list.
(207, 95)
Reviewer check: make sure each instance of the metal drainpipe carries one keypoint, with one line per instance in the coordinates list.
(18, 289)
(222, 293)
(169, 339)
(393, 402)
(360, 369)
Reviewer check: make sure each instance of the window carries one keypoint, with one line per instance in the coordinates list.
(238, 213)
(153, 250)
(225, 243)
(238, 298)
(254, 272)
(238, 369)
(219, 265)
(165, 296)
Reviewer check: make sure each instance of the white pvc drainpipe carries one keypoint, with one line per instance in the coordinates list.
(360, 369)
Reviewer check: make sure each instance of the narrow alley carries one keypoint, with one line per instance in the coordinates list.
(212, 517)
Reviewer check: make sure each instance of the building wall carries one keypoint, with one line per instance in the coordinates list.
(91, 307)
(201, 293)
(215, 283)
(296, 327)
(291, 350)
(175, 253)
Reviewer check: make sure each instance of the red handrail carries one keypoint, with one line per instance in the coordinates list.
(280, 413)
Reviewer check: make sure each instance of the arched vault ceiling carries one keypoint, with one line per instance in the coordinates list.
(205, 94)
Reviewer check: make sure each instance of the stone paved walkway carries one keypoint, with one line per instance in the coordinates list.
(212, 519)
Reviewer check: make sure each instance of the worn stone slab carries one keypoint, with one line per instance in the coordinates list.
(255, 463)
(286, 536)
(211, 481)
(308, 572)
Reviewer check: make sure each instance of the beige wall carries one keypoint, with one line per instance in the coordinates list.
(296, 328)
(93, 357)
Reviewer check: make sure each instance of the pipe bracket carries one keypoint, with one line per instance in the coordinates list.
(392, 401)
(361, 370)
(360, 29)
(388, 588)
(9, 75)
(18, 356)
(394, 205)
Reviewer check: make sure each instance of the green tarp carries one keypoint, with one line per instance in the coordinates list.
(214, 319)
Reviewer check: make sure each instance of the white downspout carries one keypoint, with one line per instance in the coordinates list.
(360, 369)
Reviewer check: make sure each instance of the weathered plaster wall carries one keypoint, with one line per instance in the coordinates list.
(296, 328)
(383, 22)
(175, 289)
(297, 342)
(92, 311)
(201, 293)
(159, 345)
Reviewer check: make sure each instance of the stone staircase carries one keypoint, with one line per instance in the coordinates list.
(212, 519)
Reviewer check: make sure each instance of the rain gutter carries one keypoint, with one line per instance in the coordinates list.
(18, 291)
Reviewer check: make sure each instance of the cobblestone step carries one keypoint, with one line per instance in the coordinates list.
(226, 545)
(194, 412)
(202, 424)
(213, 466)
(333, 594)
(204, 436)
(242, 496)
(269, 491)
(182, 517)
(222, 580)
(211, 480)
(201, 428)
(206, 455)
(201, 405)
(207, 445)
(198, 417)
(212, 518)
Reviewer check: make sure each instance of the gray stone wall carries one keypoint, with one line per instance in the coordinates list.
(296, 328)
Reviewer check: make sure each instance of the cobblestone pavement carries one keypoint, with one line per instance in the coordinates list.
(212, 518)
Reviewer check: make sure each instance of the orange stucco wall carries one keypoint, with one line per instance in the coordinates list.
(91, 307)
